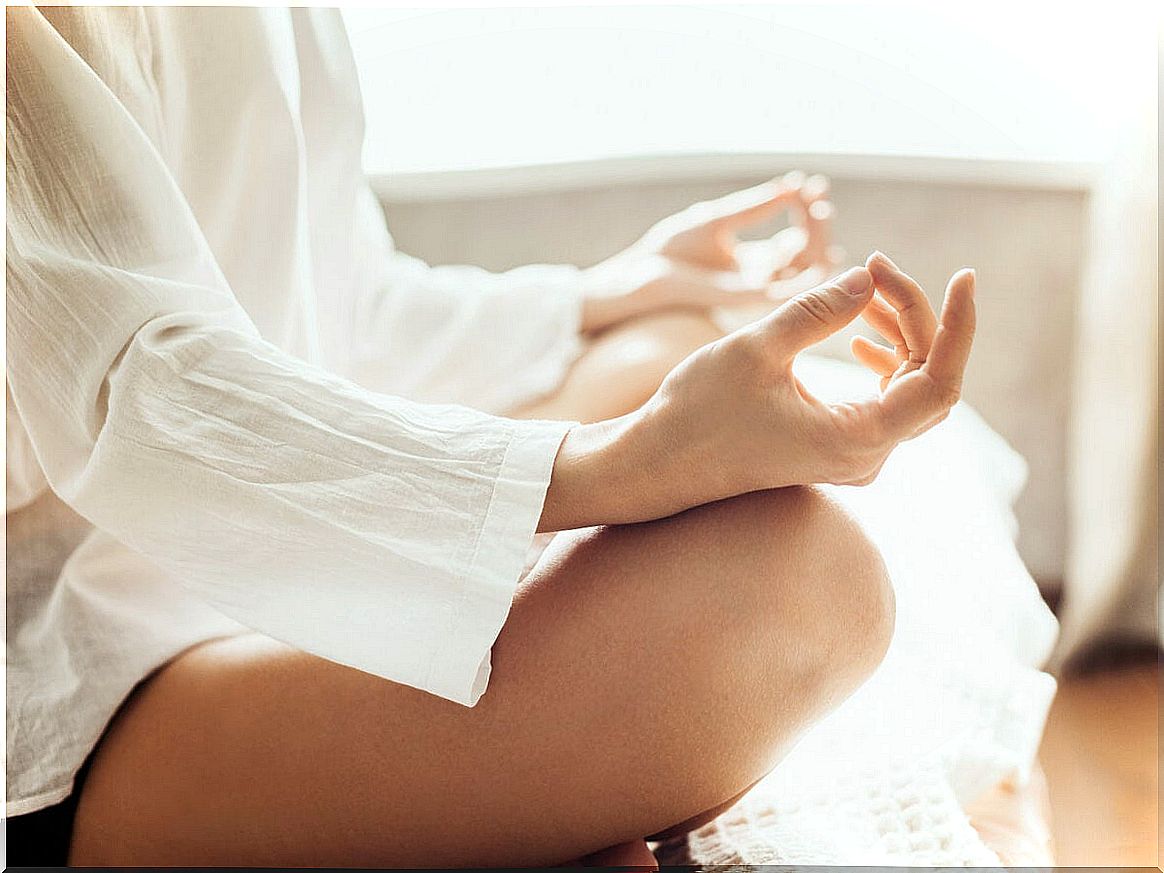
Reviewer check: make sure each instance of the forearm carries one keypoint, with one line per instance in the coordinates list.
(612, 292)
(625, 470)
(588, 481)
(600, 313)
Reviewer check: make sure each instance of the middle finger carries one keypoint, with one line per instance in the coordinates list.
(915, 316)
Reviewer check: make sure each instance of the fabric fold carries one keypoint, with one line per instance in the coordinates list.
(221, 372)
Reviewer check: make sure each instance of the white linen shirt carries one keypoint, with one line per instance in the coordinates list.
(210, 340)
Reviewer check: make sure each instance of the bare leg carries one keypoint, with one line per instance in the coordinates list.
(622, 367)
(646, 673)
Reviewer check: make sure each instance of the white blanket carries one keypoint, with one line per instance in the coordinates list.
(959, 703)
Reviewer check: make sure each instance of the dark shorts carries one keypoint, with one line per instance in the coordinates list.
(42, 838)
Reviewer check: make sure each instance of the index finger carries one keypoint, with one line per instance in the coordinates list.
(750, 205)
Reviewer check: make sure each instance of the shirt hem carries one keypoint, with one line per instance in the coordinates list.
(26, 805)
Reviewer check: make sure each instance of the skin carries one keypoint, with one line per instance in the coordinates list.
(695, 260)
(732, 418)
(624, 365)
(704, 609)
(621, 703)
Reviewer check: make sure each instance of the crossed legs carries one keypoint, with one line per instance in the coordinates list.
(622, 366)
(647, 674)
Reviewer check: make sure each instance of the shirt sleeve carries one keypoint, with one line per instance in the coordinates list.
(495, 340)
(442, 334)
(376, 532)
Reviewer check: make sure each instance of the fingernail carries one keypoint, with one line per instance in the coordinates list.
(855, 280)
(973, 281)
(877, 253)
(815, 185)
(821, 210)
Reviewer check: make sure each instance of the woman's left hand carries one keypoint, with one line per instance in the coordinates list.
(695, 259)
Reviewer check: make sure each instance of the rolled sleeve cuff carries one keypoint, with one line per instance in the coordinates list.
(461, 665)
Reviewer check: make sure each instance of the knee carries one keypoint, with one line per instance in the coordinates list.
(856, 601)
(652, 345)
(824, 581)
(791, 611)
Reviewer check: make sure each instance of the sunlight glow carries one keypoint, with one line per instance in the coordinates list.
(460, 88)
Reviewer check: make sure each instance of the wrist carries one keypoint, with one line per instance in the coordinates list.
(612, 293)
(599, 476)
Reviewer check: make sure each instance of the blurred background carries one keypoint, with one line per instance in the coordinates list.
(1017, 138)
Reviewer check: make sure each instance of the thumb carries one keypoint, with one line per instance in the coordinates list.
(818, 313)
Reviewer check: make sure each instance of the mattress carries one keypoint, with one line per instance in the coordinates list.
(932, 761)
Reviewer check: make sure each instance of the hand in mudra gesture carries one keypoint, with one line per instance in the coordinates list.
(706, 235)
(695, 259)
(733, 418)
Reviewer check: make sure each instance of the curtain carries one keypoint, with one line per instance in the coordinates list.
(1111, 581)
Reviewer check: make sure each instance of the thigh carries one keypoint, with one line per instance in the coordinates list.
(621, 367)
(641, 678)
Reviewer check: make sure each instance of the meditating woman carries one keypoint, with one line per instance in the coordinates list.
(267, 520)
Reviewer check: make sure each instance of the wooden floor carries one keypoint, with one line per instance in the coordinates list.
(1101, 757)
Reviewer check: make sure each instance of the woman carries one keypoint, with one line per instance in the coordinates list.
(228, 527)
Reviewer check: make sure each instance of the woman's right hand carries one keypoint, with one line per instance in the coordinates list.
(732, 418)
